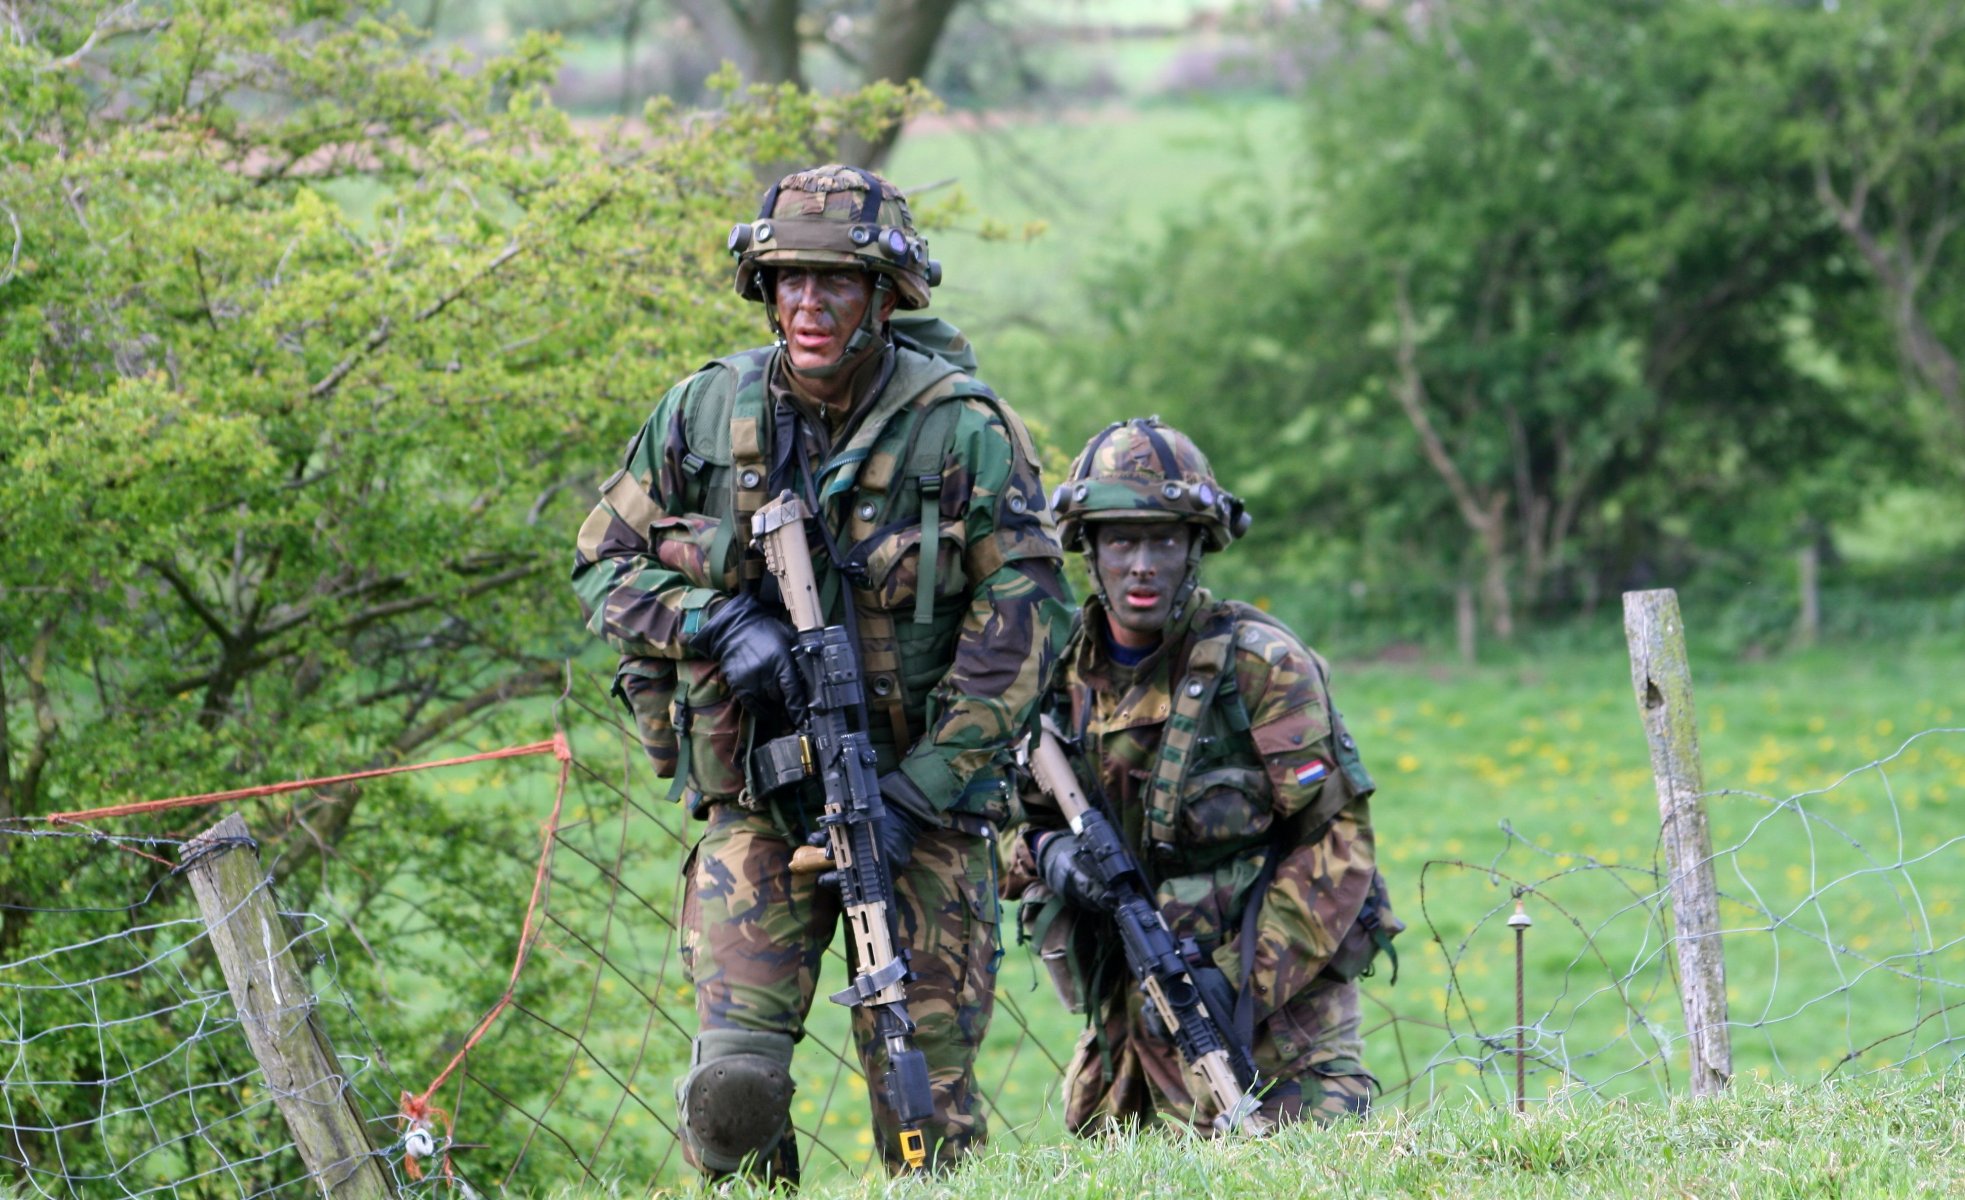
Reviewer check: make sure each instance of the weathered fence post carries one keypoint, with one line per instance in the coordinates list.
(276, 1010)
(1661, 671)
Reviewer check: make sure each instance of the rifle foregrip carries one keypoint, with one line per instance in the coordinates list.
(1197, 1003)
(1054, 775)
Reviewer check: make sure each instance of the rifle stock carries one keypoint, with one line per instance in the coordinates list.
(1194, 1003)
(843, 760)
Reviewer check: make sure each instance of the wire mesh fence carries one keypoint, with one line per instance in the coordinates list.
(124, 1070)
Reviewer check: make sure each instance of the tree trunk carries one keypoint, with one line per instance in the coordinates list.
(1808, 580)
(760, 38)
(905, 33)
(1495, 590)
(1484, 511)
(1466, 621)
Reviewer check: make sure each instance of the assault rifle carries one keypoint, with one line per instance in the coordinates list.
(827, 745)
(1191, 997)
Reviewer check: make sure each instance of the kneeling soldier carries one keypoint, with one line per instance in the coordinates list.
(1208, 730)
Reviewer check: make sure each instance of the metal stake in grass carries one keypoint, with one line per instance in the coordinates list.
(1520, 923)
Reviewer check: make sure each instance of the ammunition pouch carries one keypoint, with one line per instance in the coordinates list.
(1068, 942)
(1357, 952)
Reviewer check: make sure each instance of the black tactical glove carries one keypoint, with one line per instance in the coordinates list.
(754, 649)
(908, 815)
(1066, 875)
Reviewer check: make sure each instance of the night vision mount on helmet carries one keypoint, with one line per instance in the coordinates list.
(835, 217)
(1145, 470)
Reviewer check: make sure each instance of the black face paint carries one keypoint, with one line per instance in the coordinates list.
(1140, 566)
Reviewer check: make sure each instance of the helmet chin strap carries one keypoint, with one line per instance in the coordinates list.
(866, 334)
(1196, 547)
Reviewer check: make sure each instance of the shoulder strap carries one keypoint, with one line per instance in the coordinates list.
(931, 431)
(747, 460)
(933, 437)
(1207, 664)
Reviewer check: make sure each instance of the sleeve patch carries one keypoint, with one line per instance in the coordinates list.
(1314, 771)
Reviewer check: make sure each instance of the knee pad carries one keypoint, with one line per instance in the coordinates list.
(736, 1100)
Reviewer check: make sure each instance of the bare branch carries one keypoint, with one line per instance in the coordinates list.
(397, 608)
(189, 594)
(46, 727)
(13, 259)
(330, 818)
(532, 681)
(1411, 394)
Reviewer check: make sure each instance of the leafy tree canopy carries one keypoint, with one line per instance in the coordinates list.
(289, 492)
(1557, 301)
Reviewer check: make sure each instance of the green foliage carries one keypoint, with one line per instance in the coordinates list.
(1559, 304)
(288, 493)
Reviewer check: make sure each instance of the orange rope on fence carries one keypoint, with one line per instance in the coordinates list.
(417, 1108)
(556, 747)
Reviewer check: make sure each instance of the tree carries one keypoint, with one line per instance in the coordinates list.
(1551, 309)
(311, 350)
(1880, 116)
(885, 41)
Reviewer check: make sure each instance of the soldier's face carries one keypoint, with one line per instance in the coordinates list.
(1140, 568)
(819, 311)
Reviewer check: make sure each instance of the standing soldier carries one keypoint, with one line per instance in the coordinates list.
(1208, 730)
(934, 546)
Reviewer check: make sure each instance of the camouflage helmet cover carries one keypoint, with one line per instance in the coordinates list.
(835, 216)
(1145, 470)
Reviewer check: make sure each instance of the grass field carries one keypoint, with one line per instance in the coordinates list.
(1531, 771)
(1883, 1137)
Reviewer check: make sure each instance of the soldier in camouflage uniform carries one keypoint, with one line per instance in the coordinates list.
(1209, 730)
(934, 545)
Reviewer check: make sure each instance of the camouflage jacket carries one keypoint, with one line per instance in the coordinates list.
(952, 676)
(1271, 771)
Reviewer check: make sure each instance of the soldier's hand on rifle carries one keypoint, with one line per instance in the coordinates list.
(1065, 872)
(754, 646)
(908, 815)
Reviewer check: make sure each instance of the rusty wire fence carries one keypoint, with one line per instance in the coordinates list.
(124, 1070)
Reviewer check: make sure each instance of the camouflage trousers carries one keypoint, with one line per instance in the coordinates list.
(754, 935)
(1307, 1055)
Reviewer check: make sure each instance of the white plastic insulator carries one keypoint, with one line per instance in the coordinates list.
(418, 1143)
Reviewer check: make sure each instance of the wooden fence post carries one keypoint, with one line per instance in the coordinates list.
(276, 1010)
(1661, 671)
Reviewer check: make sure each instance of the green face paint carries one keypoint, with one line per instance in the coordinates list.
(819, 310)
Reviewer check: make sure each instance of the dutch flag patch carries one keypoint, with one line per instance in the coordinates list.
(1311, 772)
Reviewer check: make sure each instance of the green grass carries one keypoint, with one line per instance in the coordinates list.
(1534, 768)
(1883, 1137)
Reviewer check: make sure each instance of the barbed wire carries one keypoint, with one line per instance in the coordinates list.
(125, 1071)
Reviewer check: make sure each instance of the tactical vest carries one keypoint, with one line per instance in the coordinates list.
(1209, 683)
(906, 560)
(1207, 704)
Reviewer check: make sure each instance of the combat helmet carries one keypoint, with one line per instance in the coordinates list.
(1145, 470)
(831, 217)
